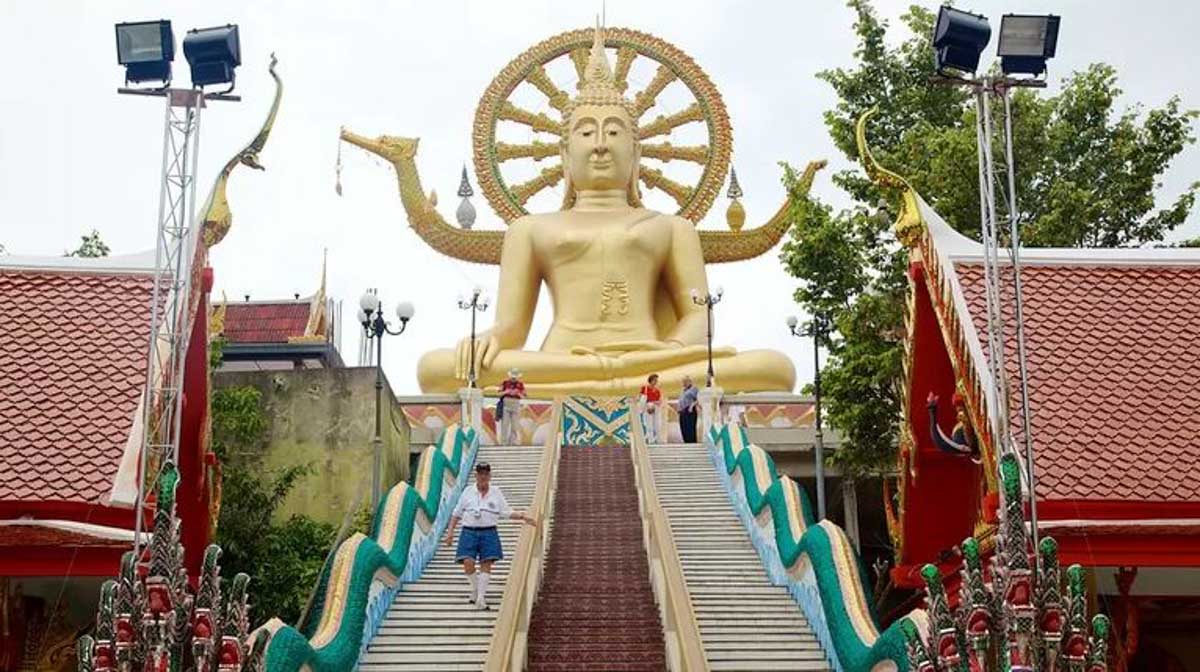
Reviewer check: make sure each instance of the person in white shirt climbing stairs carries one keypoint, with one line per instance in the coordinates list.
(480, 508)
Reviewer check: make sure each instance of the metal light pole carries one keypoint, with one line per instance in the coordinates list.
(176, 240)
(817, 331)
(708, 301)
(476, 305)
(370, 315)
(1026, 43)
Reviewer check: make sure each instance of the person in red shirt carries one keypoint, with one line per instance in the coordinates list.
(512, 391)
(650, 397)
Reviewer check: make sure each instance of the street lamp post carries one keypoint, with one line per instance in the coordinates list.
(370, 315)
(708, 301)
(816, 330)
(476, 304)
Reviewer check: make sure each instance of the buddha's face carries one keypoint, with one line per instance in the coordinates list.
(601, 150)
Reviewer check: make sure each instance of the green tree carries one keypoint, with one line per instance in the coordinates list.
(1086, 176)
(284, 559)
(90, 246)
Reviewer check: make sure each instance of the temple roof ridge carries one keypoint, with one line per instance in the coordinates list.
(137, 262)
(960, 248)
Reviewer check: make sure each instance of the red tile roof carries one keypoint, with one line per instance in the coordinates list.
(1114, 377)
(72, 370)
(265, 322)
(36, 535)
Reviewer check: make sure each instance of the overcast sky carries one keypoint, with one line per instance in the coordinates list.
(75, 156)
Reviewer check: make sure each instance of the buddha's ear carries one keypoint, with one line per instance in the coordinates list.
(634, 192)
(568, 187)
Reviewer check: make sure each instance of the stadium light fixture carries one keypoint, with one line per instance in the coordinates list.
(1027, 42)
(958, 39)
(146, 49)
(213, 54)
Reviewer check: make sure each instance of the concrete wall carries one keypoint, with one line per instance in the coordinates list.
(325, 418)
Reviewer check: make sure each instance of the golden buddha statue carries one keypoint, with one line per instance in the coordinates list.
(621, 277)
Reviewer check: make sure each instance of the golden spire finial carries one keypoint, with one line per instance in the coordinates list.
(598, 86)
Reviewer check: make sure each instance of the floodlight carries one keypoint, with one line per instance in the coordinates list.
(213, 54)
(1026, 42)
(146, 49)
(958, 39)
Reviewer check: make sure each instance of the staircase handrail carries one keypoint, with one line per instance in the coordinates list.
(681, 631)
(507, 649)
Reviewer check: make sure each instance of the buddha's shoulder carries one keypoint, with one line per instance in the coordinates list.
(534, 222)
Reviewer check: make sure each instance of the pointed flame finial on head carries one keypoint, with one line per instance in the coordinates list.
(599, 86)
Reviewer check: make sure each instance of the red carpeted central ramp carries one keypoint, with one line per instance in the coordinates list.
(596, 609)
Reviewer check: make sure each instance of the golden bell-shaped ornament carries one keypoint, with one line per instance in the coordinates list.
(735, 215)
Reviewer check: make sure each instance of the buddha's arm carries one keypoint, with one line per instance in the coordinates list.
(516, 299)
(684, 273)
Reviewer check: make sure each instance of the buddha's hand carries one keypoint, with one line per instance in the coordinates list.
(487, 346)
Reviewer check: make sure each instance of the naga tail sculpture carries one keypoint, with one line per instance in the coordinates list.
(1016, 622)
(149, 620)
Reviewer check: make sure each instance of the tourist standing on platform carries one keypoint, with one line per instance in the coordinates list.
(650, 397)
(688, 405)
(480, 508)
(512, 391)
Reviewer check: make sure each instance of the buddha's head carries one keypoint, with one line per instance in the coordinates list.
(600, 150)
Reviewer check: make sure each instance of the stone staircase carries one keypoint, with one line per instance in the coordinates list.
(431, 626)
(595, 609)
(746, 623)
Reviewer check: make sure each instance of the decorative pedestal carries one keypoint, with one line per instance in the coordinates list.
(471, 400)
(710, 408)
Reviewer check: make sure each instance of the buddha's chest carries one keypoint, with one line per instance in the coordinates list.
(603, 245)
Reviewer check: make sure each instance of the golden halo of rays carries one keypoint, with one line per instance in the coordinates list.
(693, 200)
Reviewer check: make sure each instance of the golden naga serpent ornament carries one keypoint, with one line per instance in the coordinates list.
(508, 200)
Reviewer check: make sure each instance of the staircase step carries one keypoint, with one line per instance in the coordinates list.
(746, 623)
(595, 604)
(431, 626)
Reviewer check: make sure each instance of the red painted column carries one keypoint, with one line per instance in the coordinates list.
(192, 495)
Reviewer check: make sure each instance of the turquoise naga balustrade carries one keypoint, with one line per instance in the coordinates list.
(357, 588)
(815, 560)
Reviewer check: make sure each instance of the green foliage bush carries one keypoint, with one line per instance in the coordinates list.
(283, 559)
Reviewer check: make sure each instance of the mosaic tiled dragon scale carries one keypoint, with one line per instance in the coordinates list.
(150, 620)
